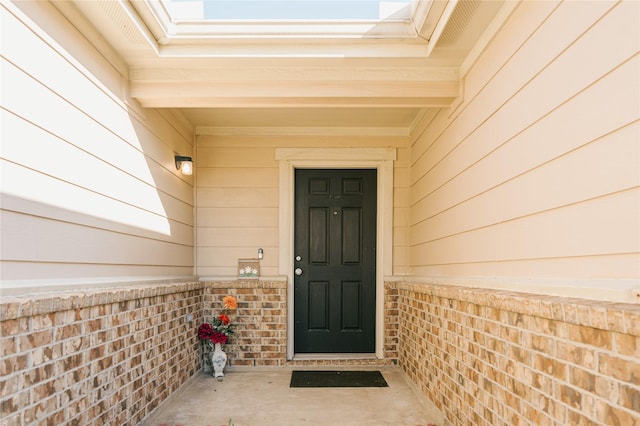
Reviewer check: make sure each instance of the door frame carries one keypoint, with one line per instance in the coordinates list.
(380, 159)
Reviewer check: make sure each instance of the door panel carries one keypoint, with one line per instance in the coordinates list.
(319, 309)
(351, 296)
(319, 236)
(351, 228)
(335, 235)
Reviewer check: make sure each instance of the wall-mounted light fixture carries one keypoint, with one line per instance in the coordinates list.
(184, 164)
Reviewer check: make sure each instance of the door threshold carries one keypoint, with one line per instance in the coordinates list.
(334, 356)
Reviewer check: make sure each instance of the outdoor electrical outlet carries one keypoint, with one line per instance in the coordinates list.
(189, 317)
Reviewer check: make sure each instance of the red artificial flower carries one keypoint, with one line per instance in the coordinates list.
(205, 331)
(218, 337)
(224, 319)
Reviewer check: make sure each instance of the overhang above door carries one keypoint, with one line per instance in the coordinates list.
(385, 78)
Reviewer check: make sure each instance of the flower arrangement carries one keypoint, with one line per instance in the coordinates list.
(220, 329)
(249, 272)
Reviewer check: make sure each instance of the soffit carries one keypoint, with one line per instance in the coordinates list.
(387, 79)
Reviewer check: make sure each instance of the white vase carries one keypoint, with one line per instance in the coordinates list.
(219, 360)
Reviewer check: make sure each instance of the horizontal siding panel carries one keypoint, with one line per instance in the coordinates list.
(237, 177)
(180, 233)
(89, 93)
(88, 134)
(552, 51)
(222, 256)
(70, 80)
(227, 257)
(523, 23)
(159, 152)
(170, 231)
(172, 122)
(401, 260)
(83, 274)
(237, 237)
(603, 167)
(89, 183)
(53, 241)
(62, 73)
(610, 266)
(608, 104)
(521, 101)
(44, 193)
(535, 175)
(236, 157)
(160, 144)
(399, 237)
(238, 216)
(400, 216)
(401, 177)
(85, 87)
(37, 148)
(607, 225)
(237, 197)
(401, 196)
(216, 271)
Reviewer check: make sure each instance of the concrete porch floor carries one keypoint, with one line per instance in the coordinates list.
(249, 397)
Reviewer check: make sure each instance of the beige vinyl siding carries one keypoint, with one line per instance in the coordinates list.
(535, 175)
(401, 179)
(238, 195)
(89, 186)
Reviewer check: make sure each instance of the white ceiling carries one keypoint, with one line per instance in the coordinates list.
(290, 76)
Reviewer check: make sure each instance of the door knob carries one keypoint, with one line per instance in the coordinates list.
(298, 271)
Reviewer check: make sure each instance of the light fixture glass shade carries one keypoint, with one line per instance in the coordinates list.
(184, 164)
(186, 168)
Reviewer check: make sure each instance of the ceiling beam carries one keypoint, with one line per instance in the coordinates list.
(293, 86)
(294, 93)
(292, 70)
(283, 102)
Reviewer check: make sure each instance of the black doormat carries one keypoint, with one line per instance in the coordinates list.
(337, 379)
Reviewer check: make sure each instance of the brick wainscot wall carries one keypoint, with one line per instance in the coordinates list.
(97, 357)
(483, 357)
(260, 322)
(112, 356)
(490, 357)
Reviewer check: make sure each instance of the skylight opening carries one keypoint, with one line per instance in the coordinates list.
(288, 10)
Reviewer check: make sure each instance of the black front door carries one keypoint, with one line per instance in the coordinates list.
(335, 261)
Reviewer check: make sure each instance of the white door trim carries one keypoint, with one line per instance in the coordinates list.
(380, 159)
